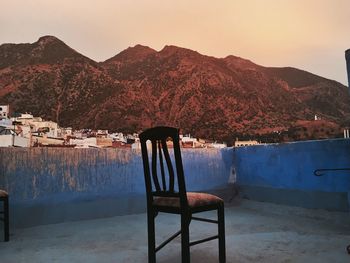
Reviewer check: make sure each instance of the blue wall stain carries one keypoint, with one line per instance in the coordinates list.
(292, 165)
(46, 174)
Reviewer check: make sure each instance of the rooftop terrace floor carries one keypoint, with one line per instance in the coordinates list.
(255, 232)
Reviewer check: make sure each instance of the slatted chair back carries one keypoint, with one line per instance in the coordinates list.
(160, 175)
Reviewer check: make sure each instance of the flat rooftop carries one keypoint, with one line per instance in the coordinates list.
(255, 232)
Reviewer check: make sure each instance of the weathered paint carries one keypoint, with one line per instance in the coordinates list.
(290, 167)
(36, 173)
(55, 184)
(58, 184)
(40, 173)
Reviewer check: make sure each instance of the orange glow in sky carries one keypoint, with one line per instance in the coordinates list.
(307, 34)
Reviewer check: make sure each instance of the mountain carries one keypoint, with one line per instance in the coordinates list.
(213, 98)
(47, 50)
(51, 80)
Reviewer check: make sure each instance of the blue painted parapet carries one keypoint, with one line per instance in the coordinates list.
(54, 184)
(284, 173)
(51, 185)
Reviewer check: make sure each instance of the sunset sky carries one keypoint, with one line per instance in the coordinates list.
(307, 34)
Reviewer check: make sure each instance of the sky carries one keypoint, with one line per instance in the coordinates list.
(307, 34)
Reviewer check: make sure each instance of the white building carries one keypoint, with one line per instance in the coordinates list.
(8, 138)
(188, 141)
(38, 125)
(119, 137)
(217, 145)
(4, 111)
(6, 123)
(245, 143)
(65, 132)
(93, 142)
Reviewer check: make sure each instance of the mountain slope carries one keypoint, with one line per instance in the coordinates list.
(140, 87)
(51, 80)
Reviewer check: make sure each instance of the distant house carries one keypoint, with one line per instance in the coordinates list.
(38, 125)
(9, 138)
(216, 145)
(245, 143)
(94, 142)
(189, 142)
(11, 134)
(4, 111)
(44, 140)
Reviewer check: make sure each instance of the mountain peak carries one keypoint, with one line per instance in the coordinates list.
(140, 51)
(46, 50)
(48, 39)
(50, 49)
(137, 52)
(51, 42)
(169, 50)
(238, 62)
(141, 48)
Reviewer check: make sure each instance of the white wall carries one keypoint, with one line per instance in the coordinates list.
(8, 140)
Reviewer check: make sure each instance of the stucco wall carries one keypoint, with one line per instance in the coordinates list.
(50, 185)
(40, 173)
(57, 184)
(285, 173)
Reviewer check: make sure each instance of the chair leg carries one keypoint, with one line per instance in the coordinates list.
(151, 237)
(185, 238)
(221, 230)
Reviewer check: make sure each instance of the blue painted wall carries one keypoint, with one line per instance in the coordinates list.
(65, 174)
(55, 184)
(291, 165)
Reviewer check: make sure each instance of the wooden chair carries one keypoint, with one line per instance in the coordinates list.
(166, 197)
(4, 197)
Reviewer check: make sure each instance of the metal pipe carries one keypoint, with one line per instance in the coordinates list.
(320, 172)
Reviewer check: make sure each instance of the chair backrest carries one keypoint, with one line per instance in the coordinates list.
(163, 183)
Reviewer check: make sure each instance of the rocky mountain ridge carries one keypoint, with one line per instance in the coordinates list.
(213, 98)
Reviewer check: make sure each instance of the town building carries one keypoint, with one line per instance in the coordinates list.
(4, 111)
(245, 143)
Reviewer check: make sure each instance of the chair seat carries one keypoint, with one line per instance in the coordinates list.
(194, 200)
(3, 193)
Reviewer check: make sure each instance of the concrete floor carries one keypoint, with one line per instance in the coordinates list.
(255, 232)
